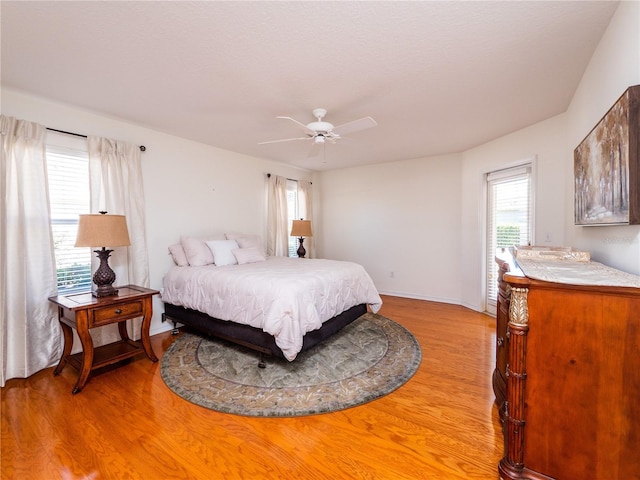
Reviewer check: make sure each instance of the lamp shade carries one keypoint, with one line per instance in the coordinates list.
(301, 228)
(102, 230)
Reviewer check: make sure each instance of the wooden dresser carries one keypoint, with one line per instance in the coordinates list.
(567, 377)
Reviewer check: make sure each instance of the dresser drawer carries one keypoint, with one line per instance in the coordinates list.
(115, 313)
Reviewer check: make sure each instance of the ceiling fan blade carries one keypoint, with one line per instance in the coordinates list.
(300, 125)
(285, 140)
(354, 126)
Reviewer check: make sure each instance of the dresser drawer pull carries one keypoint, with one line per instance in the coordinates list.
(118, 311)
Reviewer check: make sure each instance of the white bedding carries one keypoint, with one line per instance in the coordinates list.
(285, 297)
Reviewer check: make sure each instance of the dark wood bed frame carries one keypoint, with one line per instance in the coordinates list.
(252, 337)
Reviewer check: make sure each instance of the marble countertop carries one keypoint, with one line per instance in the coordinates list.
(576, 272)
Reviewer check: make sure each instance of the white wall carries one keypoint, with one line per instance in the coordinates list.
(614, 66)
(420, 219)
(401, 217)
(544, 145)
(190, 188)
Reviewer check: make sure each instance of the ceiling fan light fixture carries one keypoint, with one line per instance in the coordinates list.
(319, 139)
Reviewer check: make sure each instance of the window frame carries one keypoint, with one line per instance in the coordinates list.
(504, 176)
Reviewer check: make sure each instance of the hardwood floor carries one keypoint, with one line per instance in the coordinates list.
(126, 424)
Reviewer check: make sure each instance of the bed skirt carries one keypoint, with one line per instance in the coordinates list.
(252, 337)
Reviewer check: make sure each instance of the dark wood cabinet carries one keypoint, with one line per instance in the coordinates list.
(502, 340)
(567, 378)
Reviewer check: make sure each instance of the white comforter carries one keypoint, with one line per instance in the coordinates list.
(285, 297)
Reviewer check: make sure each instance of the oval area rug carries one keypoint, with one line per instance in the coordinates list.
(367, 359)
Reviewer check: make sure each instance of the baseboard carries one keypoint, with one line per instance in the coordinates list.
(475, 308)
(419, 297)
(470, 306)
(163, 327)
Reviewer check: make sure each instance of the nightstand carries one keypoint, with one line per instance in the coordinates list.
(83, 311)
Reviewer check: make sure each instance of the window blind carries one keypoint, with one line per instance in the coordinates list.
(68, 175)
(292, 214)
(509, 218)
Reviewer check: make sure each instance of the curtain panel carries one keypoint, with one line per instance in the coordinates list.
(115, 177)
(30, 338)
(277, 218)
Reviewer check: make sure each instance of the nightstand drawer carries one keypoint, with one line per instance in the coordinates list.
(115, 313)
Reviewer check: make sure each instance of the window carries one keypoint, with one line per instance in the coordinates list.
(292, 214)
(68, 173)
(509, 219)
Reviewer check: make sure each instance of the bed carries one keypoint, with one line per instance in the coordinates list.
(278, 306)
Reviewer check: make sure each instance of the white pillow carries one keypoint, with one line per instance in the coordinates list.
(198, 254)
(247, 241)
(221, 250)
(248, 255)
(179, 255)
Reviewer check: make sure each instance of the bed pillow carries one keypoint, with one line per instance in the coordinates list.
(197, 252)
(247, 241)
(178, 254)
(221, 250)
(248, 255)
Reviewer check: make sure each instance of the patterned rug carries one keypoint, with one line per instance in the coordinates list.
(366, 360)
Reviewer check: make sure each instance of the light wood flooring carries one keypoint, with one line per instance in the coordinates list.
(126, 424)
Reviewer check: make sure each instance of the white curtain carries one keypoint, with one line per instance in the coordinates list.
(277, 218)
(305, 210)
(30, 338)
(115, 177)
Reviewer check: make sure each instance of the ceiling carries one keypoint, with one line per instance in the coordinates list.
(438, 77)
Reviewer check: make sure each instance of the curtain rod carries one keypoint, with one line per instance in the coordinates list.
(142, 147)
(292, 179)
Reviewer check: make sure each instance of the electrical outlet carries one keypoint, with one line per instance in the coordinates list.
(547, 237)
(392, 274)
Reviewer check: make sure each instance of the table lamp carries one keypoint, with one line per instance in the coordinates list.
(301, 228)
(102, 229)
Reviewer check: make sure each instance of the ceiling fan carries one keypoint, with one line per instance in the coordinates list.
(320, 132)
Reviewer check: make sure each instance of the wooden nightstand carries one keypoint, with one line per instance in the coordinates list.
(82, 311)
